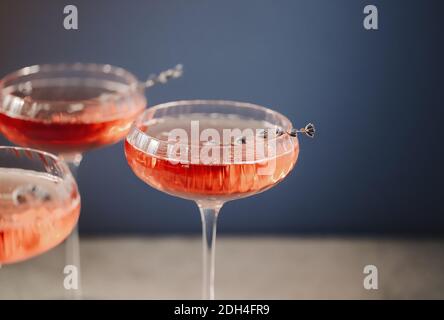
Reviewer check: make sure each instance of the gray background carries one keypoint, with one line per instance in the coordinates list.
(375, 96)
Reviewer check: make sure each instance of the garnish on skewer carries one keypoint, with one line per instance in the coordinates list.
(30, 193)
(27, 194)
(164, 76)
(309, 130)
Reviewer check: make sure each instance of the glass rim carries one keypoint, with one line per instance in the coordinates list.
(131, 84)
(75, 66)
(214, 102)
(63, 166)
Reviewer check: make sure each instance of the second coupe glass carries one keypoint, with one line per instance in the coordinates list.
(68, 109)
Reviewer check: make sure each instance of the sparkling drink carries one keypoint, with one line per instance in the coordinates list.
(80, 118)
(36, 214)
(222, 179)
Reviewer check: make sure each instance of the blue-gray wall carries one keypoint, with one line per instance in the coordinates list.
(375, 96)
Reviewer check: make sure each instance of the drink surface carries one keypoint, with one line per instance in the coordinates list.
(36, 213)
(222, 178)
(79, 119)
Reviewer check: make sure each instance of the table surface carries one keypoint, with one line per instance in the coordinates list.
(247, 268)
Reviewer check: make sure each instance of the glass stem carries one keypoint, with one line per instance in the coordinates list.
(209, 212)
(72, 243)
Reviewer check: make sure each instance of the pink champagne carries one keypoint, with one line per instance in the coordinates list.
(224, 180)
(36, 214)
(90, 121)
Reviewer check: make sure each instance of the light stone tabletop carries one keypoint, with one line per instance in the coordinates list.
(247, 268)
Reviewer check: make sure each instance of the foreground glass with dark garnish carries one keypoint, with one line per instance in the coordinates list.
(39, 203)
(69, 109)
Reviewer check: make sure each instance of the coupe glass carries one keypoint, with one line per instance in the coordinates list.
(39, 203)
(69, 109)
(212, 152)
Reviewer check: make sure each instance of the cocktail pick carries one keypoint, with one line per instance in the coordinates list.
(164, 76)
(309, 130)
